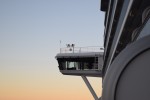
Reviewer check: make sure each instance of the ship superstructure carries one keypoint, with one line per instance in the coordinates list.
(81, 61)
(125, 61)
(126, 68)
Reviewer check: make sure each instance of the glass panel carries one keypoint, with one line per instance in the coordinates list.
(64, 65)
(71, 65)
(82, 64)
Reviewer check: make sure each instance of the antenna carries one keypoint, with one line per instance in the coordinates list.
(60, 45)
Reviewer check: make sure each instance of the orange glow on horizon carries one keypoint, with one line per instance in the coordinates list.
(16, 86)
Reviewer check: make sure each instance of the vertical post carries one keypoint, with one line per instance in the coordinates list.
(73, 45)
(89, 87)
(73, 49)
(80, 50)
(60, 46)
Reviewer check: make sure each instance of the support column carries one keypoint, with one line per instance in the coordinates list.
(90, 87)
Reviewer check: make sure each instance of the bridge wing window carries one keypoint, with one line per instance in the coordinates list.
(78, 64)
(72, 65)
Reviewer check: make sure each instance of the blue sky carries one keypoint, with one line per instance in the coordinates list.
(30, 31)
(35, 27)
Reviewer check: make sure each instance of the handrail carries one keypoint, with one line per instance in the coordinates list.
(81, 49)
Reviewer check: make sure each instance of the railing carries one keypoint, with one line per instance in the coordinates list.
(81, 49)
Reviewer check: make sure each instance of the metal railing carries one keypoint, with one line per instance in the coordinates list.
(81, 49)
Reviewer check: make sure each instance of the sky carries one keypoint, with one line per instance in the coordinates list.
(30, 35)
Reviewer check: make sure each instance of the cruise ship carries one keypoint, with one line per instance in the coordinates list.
(123, 63)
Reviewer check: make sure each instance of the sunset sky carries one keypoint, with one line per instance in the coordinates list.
(30, 31)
